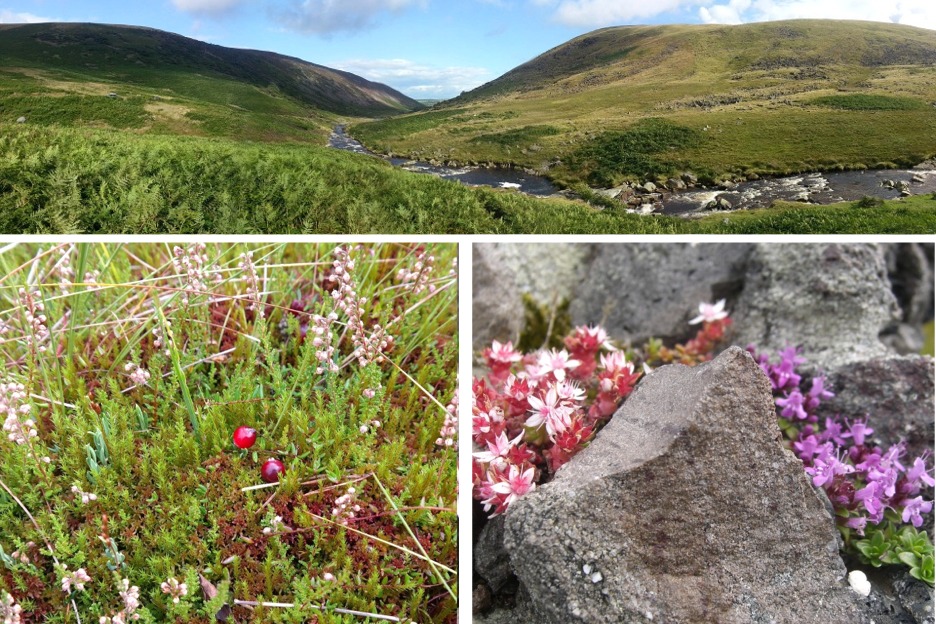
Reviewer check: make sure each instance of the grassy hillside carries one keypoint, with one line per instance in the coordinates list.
(760, 99)
(79, 180)
(147, 80)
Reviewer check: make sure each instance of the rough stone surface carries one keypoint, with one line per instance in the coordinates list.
(896, 597)
(834, 300)
(503, 272)
(685, 509)
(491, 560)
(497, 309)
(910, 270)
(896, 394)
(639, 291)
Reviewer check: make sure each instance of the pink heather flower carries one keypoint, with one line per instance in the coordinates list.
(34, 311)
(19, 427)
(77, 578)
(369, 393)
(86, 497)
(555, 362)
(515, 485)
(913, 507)
(448, 434)
(138, 375)
(253, 282)
(416, 279)
(276, 525)
(174, 588)
(10, 612)
(322, 341)
(328, 576)
(710, 312)
(194, 270)
(345, 508)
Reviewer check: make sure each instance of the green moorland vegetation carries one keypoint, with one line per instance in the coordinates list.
(76, 180)
(142, 142)
(755, 99)
(129, 369)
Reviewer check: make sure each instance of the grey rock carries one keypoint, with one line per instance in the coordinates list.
(20, 120)
(504, 272)
(896, 394)
(904, 338)
(491, 560)
(685, 509)
(638, 291)
(832, 300)
(910, 271)
(896, 597)
(497, 310)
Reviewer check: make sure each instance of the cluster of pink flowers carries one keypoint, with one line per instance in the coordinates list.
(62, 270)
(416, 278)
(529, 417)
(276, 525)
(369, 347)
(861, 480)
(37, 333)
(19, 426)
(448, 434)
(9, 610)
(86, 497)
(76, 579)
(192, 265)
(324, 349)
(345, 508)
(253, 281)
(139, 376)
(174, 588)
(131, 599)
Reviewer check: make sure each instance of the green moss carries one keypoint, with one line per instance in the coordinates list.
(544, 326)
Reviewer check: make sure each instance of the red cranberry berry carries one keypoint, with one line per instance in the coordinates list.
(271, 469)
(244, 437)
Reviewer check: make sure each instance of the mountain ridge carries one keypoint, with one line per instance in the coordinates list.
(135, 52)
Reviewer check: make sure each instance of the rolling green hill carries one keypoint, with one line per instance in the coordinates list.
(764, 98)
(62, 73)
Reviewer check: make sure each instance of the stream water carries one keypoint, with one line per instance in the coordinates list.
(472, 176)
(816, 188)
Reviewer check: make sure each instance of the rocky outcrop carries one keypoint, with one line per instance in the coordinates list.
(638, 291)
(686, 508)
(833, 300)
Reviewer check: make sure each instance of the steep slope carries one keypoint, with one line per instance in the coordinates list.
(749, 99)
(147, 57)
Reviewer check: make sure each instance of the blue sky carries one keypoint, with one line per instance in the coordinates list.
(434, 48)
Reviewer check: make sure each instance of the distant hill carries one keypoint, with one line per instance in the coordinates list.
(648, 101)
(785, 50)
(148, 57)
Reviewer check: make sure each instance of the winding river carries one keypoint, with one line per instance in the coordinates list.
(815, 188)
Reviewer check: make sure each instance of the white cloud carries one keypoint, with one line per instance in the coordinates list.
(207, 7)
(415, 79)
(11, 17)
(324, 17)
(596, 13)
